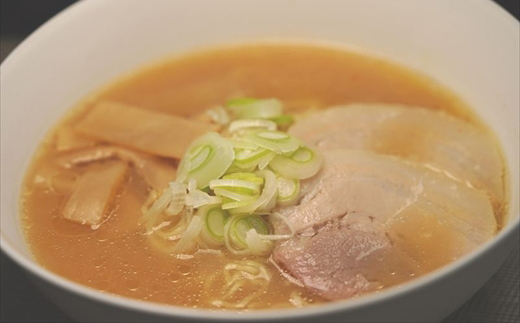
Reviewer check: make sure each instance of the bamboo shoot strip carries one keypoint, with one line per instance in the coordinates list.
(93, 193)
(68, 139)
(156, 171)
(155, 133)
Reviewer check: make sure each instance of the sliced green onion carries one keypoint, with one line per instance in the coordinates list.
(240, 101)
(178, 198)
(246, 176)
(303, 163)
(303, 155)
(236, 169)
(269, 205)
(188, 237)
(283, 121)
(246, 158)
(235, 196)
(197, 198)
(229, 182)
(248, 108)
(214, 221)
(219, 115)
(238, 143)
(266, 160)
(152, 216)
(276, 141)
(233, 205)
(288, 190)
(268, 193)
(207, 158)
(192, 184)
(251, 123)
(257, 245)
(236, 189)
(241, 224)
(235, 183)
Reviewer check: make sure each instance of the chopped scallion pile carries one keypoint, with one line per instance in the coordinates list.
(236, 178)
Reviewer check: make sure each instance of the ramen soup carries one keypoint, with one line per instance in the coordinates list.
(262, 176)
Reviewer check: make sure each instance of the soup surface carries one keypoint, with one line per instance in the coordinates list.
(115, 256)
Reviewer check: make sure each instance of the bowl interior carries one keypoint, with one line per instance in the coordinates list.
(474, 51)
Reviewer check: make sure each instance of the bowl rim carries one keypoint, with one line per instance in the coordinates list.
(165, 310)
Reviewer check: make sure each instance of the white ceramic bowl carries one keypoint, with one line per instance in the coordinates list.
(471, 46)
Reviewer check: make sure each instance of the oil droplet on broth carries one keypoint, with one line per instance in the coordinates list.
(174, 277)
(184, 269)
(133, 284)
(100, 262)
(102, 235)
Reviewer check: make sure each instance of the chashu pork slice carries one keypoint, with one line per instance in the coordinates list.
(368, 220)
(441, 141)
(345, 257)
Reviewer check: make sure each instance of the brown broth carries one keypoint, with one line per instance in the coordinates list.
(116, 257)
